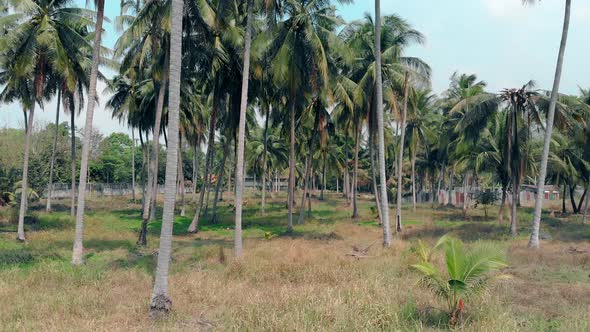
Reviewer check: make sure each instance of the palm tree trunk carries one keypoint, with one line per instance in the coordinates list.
(52, 164)
(323, 177)
(572, 189)
(220, 181)
(238, 246)
(582, 200)
(291, 195)
(440, 180)
(400, 160)
(78, 249)
(156, 146)
(451, 187)
(563, 197)
(374, 179)
(73, 163)
(534, 239)
(387, 238)
(25, 180)
(306, 180)
(514, 216)
(414, 179)
(357, 138)
(502, 206)
(586, 204)
(194, 226)
(194, 177)
(181, 178)
(133, 165)
(144, 160)
(160, 302)
(264, 166)
(149, 209)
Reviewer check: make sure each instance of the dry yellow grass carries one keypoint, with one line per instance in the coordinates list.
(304, 282)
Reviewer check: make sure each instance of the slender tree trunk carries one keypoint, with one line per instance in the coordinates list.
(400, 160)
(306, 180)
(264, 166)
(238, 245)
(586, 204)
(160, 302)
(194, 226)
(133, 165)
(451, 187)
(337, 184)
(440, 180)
(514, 215)
(181, 177)
(534, 239)
(149, 210)
(25, 180)
(563, 197)
(414, 179)
(355, 212)
(291, 195)
(52, 163)
(502, 206)
(73, 163)
(582, 200)
(323, 177)
(144, 161)
(374, 178)
(78, 248)
(156, 146)
(573, 199)
(195, 173)
(220, 181)
(387, 237)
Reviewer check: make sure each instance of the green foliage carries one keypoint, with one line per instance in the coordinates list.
(466, 271)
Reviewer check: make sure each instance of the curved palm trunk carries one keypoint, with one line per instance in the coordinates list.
(78, 249)
(563, 197)
(160, 302)
(194, 226)
(52, 164)
(400, 160)
(306, 180)
(534, 239)
(219, 184)
(25, 180)
(414, 179)
(387, 238)
(572, 189)
(73, 164)
(195, 173)
(355, 212)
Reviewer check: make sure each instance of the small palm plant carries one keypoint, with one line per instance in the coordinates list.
(467, 271)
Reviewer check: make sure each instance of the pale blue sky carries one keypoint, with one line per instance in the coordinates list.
(501, 41)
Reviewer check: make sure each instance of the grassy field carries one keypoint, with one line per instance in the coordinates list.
(301, 281)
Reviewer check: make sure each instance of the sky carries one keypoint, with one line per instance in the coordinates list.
(501, 41)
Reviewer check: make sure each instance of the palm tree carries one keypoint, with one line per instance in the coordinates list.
(387, 238)
(238, 247)
(43, 36)
(78, 249)
(534, 239)
(299, 49)
(160, 302)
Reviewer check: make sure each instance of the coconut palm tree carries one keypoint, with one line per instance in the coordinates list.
(43, 38)
(298, 49)
(161, 302)
(534, 238)
(78, 249)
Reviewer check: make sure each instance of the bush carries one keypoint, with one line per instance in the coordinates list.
(467, 272)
